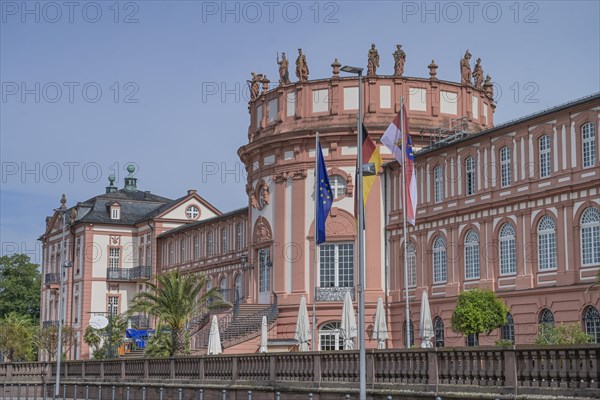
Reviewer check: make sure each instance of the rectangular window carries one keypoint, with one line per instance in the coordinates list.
(114, 258)
(505, 170)
(544, 156)
(113, 305)
(336, 265)
(411, 261)
(273, 110)
(224, 241)
(470, 175)
(264, 273)
(196, 247)
(114, 213)
(439, 184)
(148, 255)
(588, 135)
(209, 244)
(240, 237)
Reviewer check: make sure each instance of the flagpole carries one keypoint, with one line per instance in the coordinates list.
(314, 305)
(404, 146)
(362, 355)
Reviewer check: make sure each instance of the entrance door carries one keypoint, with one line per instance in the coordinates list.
(264, 276)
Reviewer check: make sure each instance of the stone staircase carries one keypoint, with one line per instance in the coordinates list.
(137, 353)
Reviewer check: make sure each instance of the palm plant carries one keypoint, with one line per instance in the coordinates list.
(16, 337)
(174, 299)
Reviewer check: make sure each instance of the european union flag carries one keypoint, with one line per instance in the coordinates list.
(324, 196)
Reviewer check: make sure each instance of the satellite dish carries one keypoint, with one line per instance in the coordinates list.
(98, 322)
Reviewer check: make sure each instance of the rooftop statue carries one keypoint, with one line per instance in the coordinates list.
(373, 62)
(254, 88)
(465, 69)
(478, 74)
(399, 59)
(301, 67)
(284, 74)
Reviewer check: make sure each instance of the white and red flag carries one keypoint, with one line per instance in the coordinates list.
(395, 135)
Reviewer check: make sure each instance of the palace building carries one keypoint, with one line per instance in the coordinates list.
(514, 208)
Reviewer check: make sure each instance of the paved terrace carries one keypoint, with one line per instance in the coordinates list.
(523, 372)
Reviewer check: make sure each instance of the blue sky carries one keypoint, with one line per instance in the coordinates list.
(91, 86)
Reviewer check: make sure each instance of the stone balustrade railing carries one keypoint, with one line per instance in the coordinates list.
(568, 370)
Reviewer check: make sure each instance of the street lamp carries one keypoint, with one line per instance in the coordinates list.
(361, 252)
(63, 264)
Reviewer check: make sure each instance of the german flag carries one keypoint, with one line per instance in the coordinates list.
(370, 154)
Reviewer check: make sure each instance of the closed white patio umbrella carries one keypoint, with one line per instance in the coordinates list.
(263, 335)
(302, 335)
(348, 328)
(380, 331)
(426, 324)
(214, 338)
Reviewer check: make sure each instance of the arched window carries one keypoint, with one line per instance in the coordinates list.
(412, 333)
(209, 244)
(438, 179)
(546, 243)
(438, 328)
(508, 250)
(171, 254)
(439, 260)
(330, 337)
(588, 142)
(470, 175)
(591, 323)
(546, 320)
(508, 330)
(338, 186)
(544, 147)
(590, 236)
(505, 170)
(223, 288)
(411, 262)
(471, 255)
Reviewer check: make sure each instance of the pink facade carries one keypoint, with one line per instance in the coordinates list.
(513, 208)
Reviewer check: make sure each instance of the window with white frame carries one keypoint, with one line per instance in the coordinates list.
(240, 236)
(544, 146)
(264, 270)
(338, 186)
(505, 170)
(182, 250)
(411, 262)
(115, 212)
(114, 258)
(171, 254)
(209, 244)
(192, 212)
(591, 323)
(470, 176)
(508, 250)
(439, 260)
(141, 248)
(336, 265)
(113, 305)
(196, 247)
(590, 237)
(588, 142)
(224, 233)
(546, 243)
(472, 269)
(438, 179)
(330, 337)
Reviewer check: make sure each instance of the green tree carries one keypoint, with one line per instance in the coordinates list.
(563, 334)
(159, 345)
(19, 286)
(17, 337)
(174, 299)
(478, 311)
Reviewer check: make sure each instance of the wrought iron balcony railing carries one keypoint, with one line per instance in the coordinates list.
(334, 293)
(52, 278)
(129, 274)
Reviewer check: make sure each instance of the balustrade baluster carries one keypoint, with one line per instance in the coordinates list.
(87, 392)
(249, 394)
(75, 392)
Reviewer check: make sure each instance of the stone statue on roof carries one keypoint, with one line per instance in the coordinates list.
(478, 74)
(301, 67)
(399, 59)
(284, 74)
(465, 69)
(373, 62)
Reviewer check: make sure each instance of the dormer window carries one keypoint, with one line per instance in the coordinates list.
(115, 211)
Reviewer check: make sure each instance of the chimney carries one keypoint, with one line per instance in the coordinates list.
(130, 181)
(111, 187)
(191, 191)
